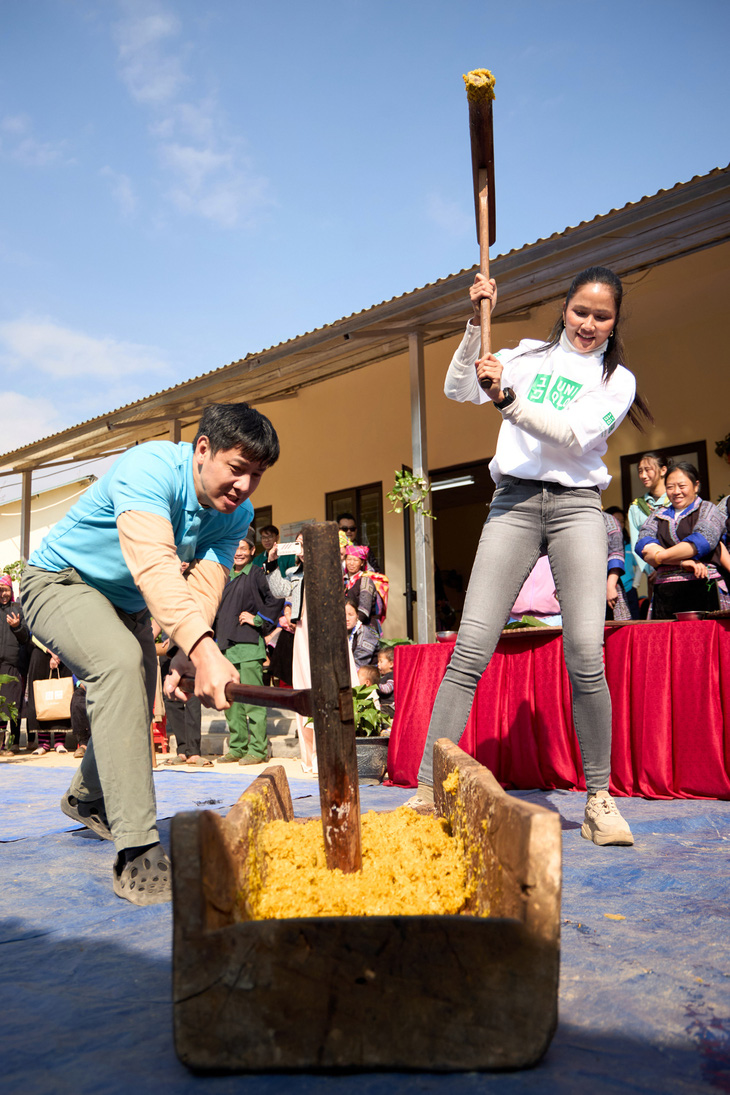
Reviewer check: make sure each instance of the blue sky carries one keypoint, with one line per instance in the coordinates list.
(188, 181)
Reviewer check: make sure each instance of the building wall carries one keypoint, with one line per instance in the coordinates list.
(47, 508)
(355, 429)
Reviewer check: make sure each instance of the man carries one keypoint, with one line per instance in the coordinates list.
(347, 524)
(248, 611)
(269, 537)
(13, 637)
(88, 594)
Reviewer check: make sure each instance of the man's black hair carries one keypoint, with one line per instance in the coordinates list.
(343, 516)
(269, 528)
(239, 426)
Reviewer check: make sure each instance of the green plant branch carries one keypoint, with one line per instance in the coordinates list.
(409, 491)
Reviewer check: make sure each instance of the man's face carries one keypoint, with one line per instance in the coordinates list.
(225, 479)
(6, 594)
(349, 527)
(268, 539)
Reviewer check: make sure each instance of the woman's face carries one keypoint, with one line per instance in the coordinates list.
(589, 316)
(353, 563)
(651, 474)
(681, 490)
(350, 615)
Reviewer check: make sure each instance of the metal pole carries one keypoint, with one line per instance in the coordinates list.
(410, 593)
(27, 477)
(425, 593)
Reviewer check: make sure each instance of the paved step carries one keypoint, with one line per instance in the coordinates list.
(280, 726)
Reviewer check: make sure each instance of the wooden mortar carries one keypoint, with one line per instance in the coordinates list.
(434, 993)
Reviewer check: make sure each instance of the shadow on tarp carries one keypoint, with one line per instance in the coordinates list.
(31, 794)
(92, 1014)
(644, 995)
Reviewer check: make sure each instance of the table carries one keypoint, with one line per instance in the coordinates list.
(670, 687)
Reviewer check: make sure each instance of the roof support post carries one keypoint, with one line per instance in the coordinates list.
(25, 498)
(425, 592)
(174, 428)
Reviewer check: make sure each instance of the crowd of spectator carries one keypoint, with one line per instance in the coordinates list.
(670, 534)
(675, 538)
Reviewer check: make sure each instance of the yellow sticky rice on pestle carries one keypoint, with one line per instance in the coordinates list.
(479, 85)
(411, 867)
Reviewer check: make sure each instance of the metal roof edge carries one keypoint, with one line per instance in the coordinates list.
(534, 268)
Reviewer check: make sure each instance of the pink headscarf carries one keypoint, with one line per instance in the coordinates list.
(357, 549)
(6, 580)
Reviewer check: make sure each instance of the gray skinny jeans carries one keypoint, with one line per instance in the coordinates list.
(113, 652)
(525, 517)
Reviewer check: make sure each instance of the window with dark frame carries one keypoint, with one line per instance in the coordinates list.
(366, 505)
(695, 452)
(261, 518)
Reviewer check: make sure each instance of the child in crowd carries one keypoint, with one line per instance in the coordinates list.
(368, 674)
(386, 686)
(363, 640)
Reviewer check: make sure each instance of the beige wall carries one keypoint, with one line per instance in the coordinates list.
(355, 429)
(47, 508)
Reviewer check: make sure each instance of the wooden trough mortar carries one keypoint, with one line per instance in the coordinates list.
(447, 993)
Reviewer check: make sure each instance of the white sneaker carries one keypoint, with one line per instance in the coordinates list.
(603, 823)
(423, 799)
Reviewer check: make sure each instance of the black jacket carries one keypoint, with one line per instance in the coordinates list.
(12, 643)
(246, 593)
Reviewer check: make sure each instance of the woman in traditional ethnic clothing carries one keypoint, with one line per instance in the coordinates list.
(682, 542)
(359, 585)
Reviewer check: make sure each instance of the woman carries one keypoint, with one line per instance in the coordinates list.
(652, 472)
(630, 563)
(559, 402)
(617, 608)
(49, 734)
(359, 586)
(363, 640)
(291, 587)
(683, 542)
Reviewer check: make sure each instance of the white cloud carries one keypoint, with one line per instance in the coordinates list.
(41, 346)
(208, 172)
(151, 72)
(122, 190)
(453, 217)
(22, 146)
(15, 123)
(26, 419)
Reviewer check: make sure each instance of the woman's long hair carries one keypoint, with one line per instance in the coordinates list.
(615, 353)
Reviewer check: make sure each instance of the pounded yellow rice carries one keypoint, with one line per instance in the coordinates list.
(479, 85)
(411, 867)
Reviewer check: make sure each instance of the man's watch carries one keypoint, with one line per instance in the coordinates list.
(509, 397)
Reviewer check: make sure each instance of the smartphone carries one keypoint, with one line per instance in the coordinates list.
(293, 548)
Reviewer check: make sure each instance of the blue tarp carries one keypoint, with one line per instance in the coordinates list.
(86, 978)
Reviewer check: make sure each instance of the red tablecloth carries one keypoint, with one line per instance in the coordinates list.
(670, 687)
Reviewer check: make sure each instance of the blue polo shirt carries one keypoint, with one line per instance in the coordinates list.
(156, 477)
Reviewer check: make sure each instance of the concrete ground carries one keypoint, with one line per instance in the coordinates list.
(291, 765)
